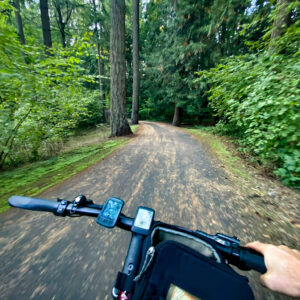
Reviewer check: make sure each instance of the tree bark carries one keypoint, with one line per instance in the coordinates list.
(135, 63)
(19, 22)
(46, 24)
(61, 23)
(118, 118)
(100, 66)
(98, 37)
(280, 23)
(20, 30)
(101, 96)
(178, 112)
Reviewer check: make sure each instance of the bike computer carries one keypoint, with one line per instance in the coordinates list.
(110, 212)
(143, 220)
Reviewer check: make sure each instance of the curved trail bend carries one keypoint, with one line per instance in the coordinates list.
(45, 257)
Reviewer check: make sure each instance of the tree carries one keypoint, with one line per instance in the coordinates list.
(19, 22)
(254, 94)
(176, 45)
(44, 99)
(97, 32)
(280, 22)
(118, 118)
(46, 24)
(179, 38)
(177, 118)
(62, 22)
(135, 64)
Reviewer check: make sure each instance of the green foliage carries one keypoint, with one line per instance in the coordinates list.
(178, 39)
(42, 98)
(257, 99)
(252, 77)
(35, 177)
(256, 96)
(94, 111)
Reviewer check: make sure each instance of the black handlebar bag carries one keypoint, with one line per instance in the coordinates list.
(179, 272)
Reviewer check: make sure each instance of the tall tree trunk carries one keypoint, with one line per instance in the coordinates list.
(61, 23)
(135, 63)
(223, 39)
(100, 66)
(178, 112)
(100, 71)
(63, 35)
(19, 22)
(101, 96)
(20, 30)
(46, 24)
(280, 22)
(118, 118)
(98, 37)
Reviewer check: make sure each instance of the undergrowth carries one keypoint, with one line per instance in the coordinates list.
(33, 178)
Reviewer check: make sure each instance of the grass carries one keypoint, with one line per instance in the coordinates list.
(232, 162)
(134, 128)
(79, 152)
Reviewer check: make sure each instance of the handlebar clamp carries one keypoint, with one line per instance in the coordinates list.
(61, 208)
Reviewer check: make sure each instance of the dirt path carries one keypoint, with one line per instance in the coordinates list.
(45, 257)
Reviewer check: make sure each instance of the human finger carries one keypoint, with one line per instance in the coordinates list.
(258, 246)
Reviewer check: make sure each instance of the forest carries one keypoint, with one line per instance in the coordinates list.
(229, 67)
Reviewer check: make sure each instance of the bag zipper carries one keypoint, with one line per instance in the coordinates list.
(147, 262)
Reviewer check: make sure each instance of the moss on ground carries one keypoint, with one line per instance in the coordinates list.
(232, 162)
(34, 178)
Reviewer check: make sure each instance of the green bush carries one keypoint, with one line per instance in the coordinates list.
(42, 98)
(257, 98)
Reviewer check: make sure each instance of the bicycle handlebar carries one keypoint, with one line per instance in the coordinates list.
(33, 203)
(243, 258)
(252, 260)
(91, 210)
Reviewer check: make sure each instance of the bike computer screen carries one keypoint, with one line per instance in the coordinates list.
(110, 212)
(143, 220)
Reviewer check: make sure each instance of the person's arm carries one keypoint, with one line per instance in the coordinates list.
(283, 268)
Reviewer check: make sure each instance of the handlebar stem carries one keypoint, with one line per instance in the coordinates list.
(133, 255)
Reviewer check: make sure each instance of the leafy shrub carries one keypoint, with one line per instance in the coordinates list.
(42, 98)
(257, 98)
(94, 111)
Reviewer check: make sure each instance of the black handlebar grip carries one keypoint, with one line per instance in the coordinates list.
(33, 203)
(253, 260)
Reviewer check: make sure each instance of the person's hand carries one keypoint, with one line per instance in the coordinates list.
(283, 268)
